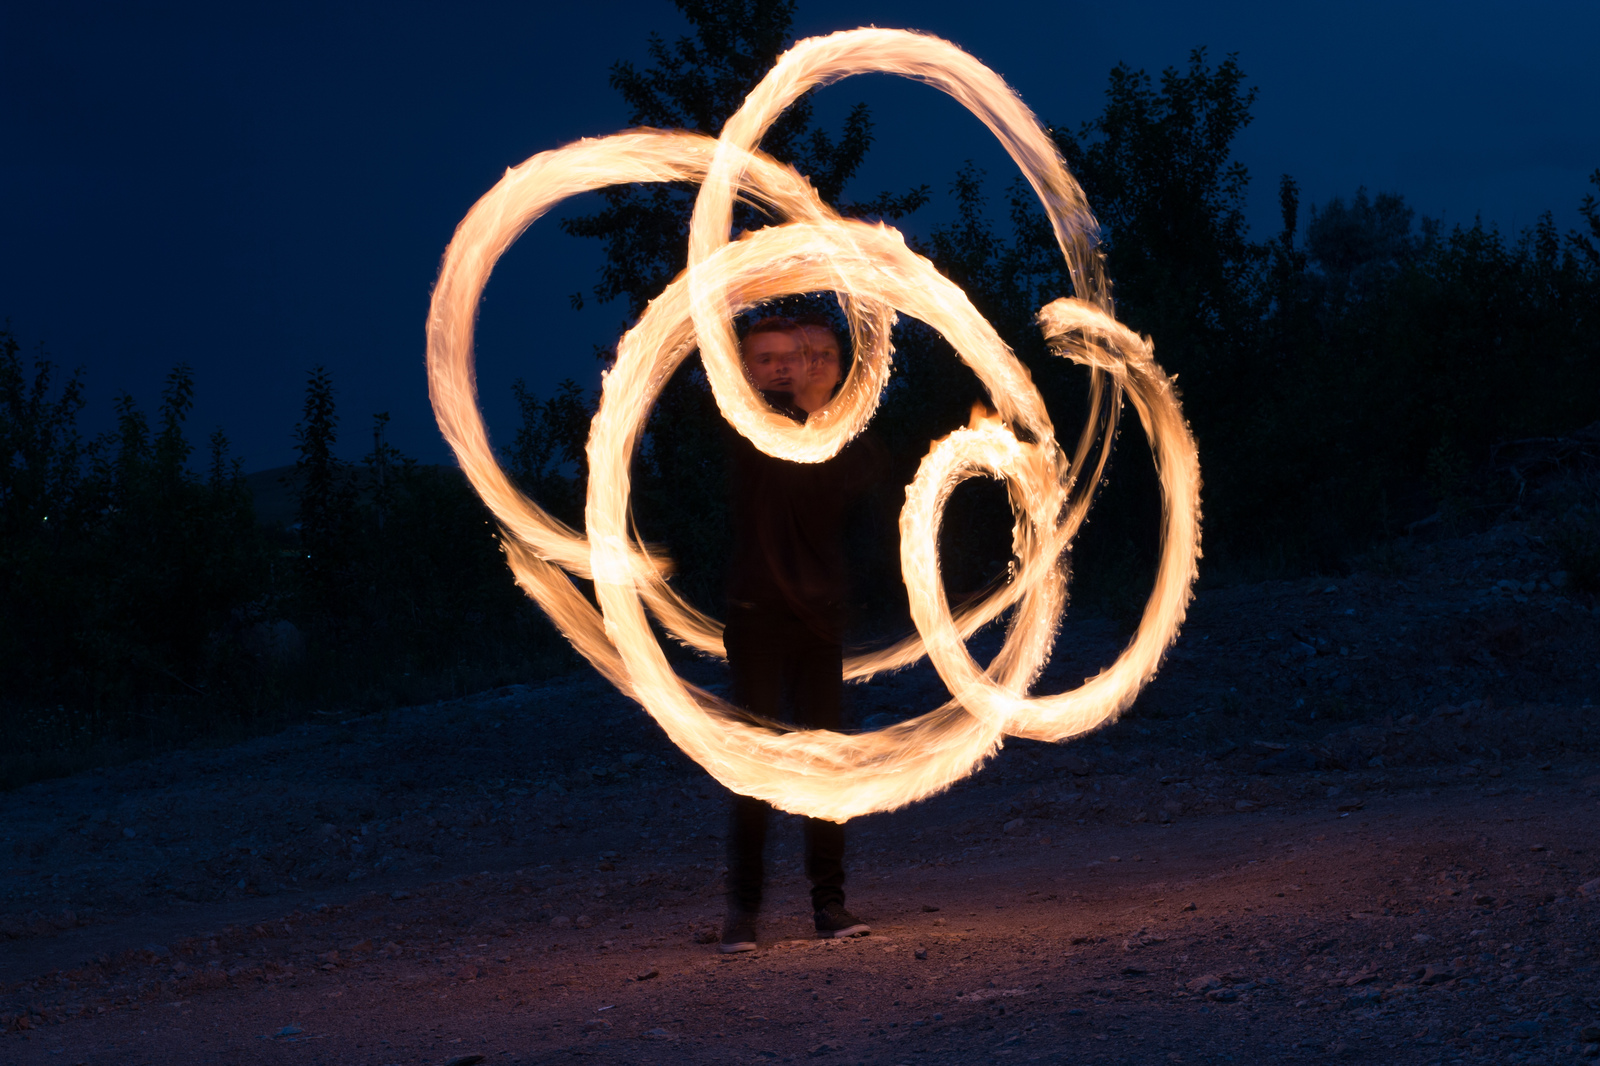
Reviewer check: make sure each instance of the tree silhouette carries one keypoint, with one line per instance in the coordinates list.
(326, 497)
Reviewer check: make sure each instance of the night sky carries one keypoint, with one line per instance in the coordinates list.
(255, 189)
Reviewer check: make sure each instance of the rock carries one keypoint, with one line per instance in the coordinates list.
(582, 921)
(655, 1034)
(1222, 995)
(1526, 1029)
(928, 908)
(647, 975)
(560, 921)
(1483, 900)
(129, 834)
(1204, 982)
(1590, 1034)
(1590, 888)
(1188, 907)
(1351, 804)
(921, 953)
(822, 1049)
(464, 1060)
(1016, 825)
(399, 895)
(1245, 805)
(1436, 975)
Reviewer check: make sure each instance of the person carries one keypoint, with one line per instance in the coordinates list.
(786, 598)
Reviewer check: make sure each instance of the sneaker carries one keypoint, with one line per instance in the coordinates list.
(738, 933)
(834, 921)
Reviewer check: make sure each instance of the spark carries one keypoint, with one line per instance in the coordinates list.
(822, 773)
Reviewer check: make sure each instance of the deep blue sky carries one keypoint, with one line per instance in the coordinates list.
(254, 189)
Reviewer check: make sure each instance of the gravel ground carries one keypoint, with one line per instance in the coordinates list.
(1353, 818)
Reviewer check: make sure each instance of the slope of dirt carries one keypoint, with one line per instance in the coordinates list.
(1353, 817)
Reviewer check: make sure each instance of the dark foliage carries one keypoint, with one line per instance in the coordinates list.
(550, 441)
(119, 562)
(1391, 359)
(143, 604)
(696, 84)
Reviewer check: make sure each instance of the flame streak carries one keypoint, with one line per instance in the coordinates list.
(816, 772)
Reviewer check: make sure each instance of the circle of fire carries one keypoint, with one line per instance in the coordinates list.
(820, 773)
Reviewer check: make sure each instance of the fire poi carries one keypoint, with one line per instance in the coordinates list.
(820, 773)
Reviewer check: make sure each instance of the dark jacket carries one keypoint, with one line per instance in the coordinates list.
(788, 527)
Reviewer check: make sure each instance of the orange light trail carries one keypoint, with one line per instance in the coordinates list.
(820, 773)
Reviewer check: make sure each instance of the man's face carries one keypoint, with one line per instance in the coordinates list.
(775, 361)
(822, 369)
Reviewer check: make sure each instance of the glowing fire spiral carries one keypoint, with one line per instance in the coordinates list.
(816, 772)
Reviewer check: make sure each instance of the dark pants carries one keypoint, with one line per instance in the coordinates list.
(783, 670)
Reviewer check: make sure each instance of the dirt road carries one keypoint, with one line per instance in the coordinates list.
(1308, 843)
(1428, 926)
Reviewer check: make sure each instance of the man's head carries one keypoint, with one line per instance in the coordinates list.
(824, 362)
(774, 356)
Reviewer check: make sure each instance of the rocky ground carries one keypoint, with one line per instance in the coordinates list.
(1354, 817)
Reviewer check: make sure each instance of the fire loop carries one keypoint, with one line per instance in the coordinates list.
(820, 773)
